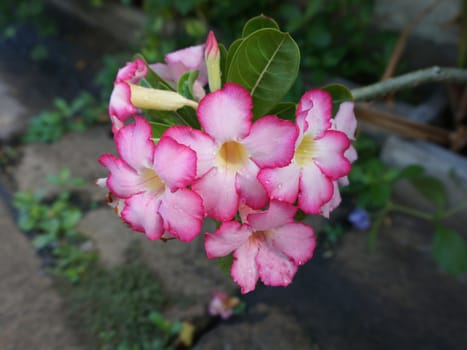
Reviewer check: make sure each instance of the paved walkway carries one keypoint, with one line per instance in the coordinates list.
(31, 313)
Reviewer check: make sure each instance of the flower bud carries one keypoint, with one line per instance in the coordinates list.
(212, 57)
(146, 98)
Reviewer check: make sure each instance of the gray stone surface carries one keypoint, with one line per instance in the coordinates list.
(31, 312)
(262, 327)
(449, 167)
(12, 120)
(438, 26)
(77, 151)
(109, 235)
(187, 274)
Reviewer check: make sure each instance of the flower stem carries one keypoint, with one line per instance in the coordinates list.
(456, 209)
(410, 211)
(422, 76)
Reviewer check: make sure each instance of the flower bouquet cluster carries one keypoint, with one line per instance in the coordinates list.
(206, 134)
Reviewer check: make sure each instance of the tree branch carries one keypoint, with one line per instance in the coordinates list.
(409, 80)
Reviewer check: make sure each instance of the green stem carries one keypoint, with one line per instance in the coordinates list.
(456, 209)
(422, 76)
(410, 211)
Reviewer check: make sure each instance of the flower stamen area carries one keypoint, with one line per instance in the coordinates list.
(258, 236)
(232, 155)
(305, 151)
(151, 180)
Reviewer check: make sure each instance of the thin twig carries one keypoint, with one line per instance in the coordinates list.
(402, 41)
(409, 80)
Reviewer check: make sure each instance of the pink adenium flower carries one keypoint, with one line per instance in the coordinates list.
(268, 245)
(151, 181)
(318, 160)
(180, 62)
(127, 97)
(232, 150)
(222, 305)
(345, 122)
(120, 106)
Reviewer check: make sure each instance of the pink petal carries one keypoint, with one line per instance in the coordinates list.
(278, 214)
(315, 189)
(226, 113)
(134, 144)
(141, 213)
(271, 142)
(330, 157)
(163, 70)
(183, 214)
(229, 237)
(190, 58)
(345, 120)
(274, 268)
(249, 188)
(244, 271)
(333, 203)
(123, 180)
(174, 163)
(117, 124)
(199, 142)
(120, 102)
(315, 108)
(132, 72)
(351, 154)
(296, 240)
(281, 183)
(220, 198)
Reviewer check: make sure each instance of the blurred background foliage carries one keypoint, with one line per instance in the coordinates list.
(333, 35)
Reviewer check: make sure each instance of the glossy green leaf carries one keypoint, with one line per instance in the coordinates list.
(158, 128)
(257, 23)
(284, 110)
(223, 62)
(450, 251)
(185, 84)
(339, 94)
(230, 54)
(432, 189)
(266, 63)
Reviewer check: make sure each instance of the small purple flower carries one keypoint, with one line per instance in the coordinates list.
(360, 219)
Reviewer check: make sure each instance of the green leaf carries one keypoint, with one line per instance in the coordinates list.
(230, 54)
(158, 128)
(339, 94)
(432, 189)
(41, 241)
(225, 263)
(185, 84)
(285, 110)
(257, 23)
(266, 63)
(450, 251)
(70, 219)
(411, 171)
(223, 62)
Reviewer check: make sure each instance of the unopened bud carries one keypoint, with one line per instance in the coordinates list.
(212, 57)
(164, 100)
